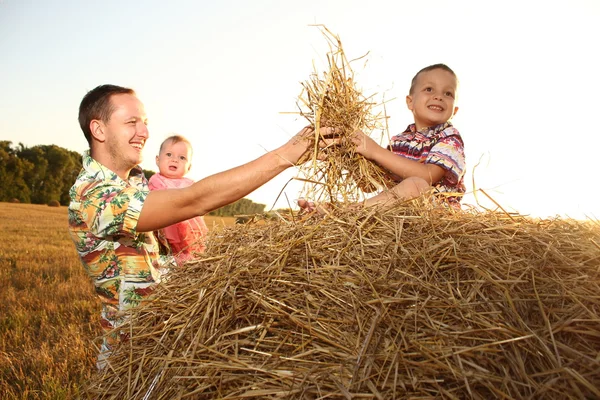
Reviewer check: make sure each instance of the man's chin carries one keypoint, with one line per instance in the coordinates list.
(139, 159)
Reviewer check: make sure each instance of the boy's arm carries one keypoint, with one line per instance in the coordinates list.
(401, 167)
(166, 207)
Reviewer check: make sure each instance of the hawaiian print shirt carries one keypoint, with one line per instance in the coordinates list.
(441, 145)
(123, 264)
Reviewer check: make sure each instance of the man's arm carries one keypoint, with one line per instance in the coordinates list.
(166, 207)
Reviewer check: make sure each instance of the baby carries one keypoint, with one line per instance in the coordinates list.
(174, 162)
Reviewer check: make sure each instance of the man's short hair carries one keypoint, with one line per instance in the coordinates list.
(96, 104)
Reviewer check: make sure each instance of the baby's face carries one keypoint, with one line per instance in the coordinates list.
(174, 159)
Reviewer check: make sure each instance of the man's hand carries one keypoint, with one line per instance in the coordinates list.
(298, 147)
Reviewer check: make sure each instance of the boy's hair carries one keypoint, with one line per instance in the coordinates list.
(96, 104)
(176, 139)
(427, 69)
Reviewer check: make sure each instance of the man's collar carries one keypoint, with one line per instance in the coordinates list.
(94, 167)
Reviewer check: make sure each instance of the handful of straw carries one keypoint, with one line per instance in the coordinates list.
(338, 173)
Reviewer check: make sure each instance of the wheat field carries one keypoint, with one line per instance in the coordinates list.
(49, 315)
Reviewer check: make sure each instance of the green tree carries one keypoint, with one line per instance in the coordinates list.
(35, 177)
(70, 175)
(53, 173)
(12, 174)
(148, 173)
(240, 207)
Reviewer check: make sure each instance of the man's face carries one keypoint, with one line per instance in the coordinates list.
(125, 132)
(432, 102)
(174, 159)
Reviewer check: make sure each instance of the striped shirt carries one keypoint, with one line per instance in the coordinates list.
(441, 145)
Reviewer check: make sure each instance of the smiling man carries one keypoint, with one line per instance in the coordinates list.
(112, 212)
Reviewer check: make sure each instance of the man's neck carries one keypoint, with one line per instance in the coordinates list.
(108, 162)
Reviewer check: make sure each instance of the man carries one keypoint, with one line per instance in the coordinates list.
(112, 212)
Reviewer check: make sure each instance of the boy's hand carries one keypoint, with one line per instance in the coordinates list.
(365, 146)
(310, 207)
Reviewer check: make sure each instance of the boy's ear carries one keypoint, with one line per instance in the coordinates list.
(455, 111)
(96, 127)
(156, 160)
(409, 102)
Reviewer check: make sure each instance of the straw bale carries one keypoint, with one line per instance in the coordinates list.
(411, 301)
(406, 302)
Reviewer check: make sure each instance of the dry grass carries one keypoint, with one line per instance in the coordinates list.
(218, 222)
(386, 304)
(48, 312)
(49, 315)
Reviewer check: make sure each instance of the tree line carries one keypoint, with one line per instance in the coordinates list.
(43, 174)
(38, 174)
(240, 207)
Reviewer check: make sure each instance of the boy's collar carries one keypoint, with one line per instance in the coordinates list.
(429, 130)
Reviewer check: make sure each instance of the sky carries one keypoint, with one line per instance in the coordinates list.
(228, 75)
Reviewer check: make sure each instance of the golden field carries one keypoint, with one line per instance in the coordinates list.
(49, 316)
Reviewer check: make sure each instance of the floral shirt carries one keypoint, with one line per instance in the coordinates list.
(123, 264)
(441, 145)
(185, 238)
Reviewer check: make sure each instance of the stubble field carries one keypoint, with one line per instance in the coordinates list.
(49, 315)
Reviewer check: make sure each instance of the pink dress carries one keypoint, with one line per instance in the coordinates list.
(187, 237)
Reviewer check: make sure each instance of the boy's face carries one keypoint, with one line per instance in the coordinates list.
(433, 98)
(174, 159)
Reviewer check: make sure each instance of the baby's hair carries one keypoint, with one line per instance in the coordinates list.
(427, 69)
(176, 139)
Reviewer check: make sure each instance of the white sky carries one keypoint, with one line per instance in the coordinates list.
(223, 74)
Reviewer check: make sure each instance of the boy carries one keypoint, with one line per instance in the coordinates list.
(430, 152)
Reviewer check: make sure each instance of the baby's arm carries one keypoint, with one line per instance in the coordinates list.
(401, 167)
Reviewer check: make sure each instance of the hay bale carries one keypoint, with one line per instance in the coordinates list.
(411, 301)
(369, 303)
(333, 98)
(53, 203)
